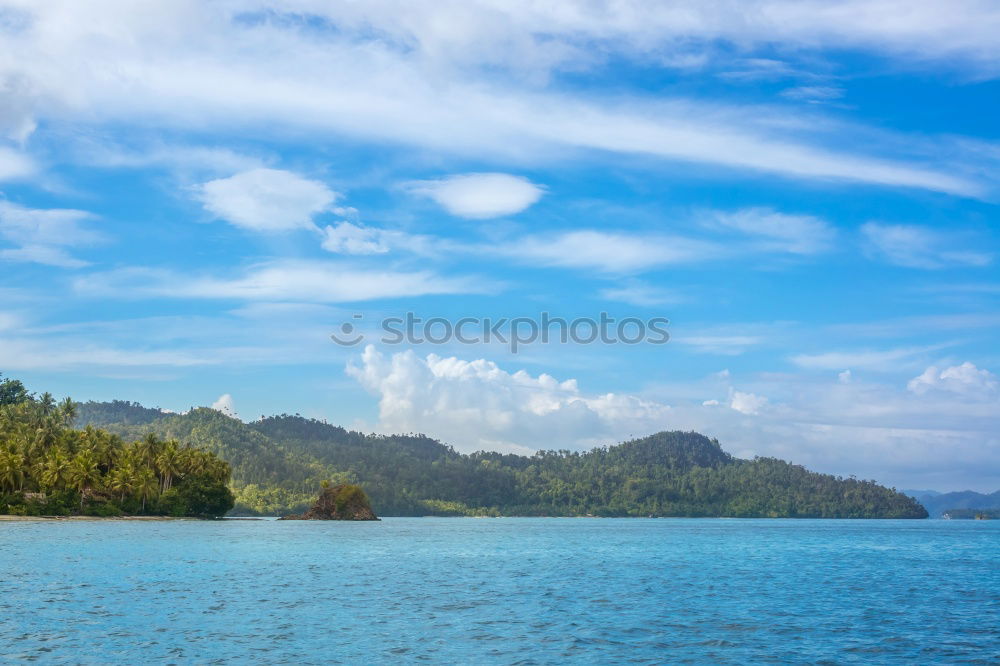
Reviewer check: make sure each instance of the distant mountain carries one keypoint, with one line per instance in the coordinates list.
(279, 462)
(938, 503)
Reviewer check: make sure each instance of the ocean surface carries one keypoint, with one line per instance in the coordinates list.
(510, 591)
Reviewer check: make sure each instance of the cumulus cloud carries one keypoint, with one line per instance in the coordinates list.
(919, 247)
(746, 403)
(226, 405)
(480, 195)
(476, 404)
(964, 379)
(266, 199)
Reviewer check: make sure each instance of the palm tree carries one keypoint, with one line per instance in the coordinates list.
(67, 412)
(148, 448)
(192, 462)
(54, 469)
(120, 480)
(83, 473)
(11, 470)
(168, 464)
(146, 485)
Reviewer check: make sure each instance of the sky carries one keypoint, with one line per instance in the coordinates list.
(195, 196)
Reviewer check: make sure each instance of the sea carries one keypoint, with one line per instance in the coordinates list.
(501, 591)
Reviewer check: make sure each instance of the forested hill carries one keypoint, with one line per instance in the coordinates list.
(938, 504)
(279, 462)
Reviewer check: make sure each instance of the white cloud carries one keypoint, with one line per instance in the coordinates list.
(608, 252)
(42, 254)
(266, 199)
(964, 379)
(318, 282)
(15, 165)
(474, 78)
(844, 377)
(813, 94)
(357, 239)
(726, 345)
(872, 359)
(640, 294)
(347, 238)
(41, 234)
(480, 195)
(795, 234)
(919, 247)
(61, 354)
(226, 405)
(476, 404)
(746, 403)
(733, 338)
(159, 153)
(44, 226)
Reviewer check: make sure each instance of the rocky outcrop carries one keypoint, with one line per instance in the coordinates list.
(343, 502)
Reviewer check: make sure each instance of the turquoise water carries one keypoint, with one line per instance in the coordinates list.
(501, 591)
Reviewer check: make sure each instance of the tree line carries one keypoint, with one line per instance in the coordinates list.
(47, 467)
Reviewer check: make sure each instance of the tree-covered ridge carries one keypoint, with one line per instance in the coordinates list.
(119, 411)
(49, 468)
(279, 461)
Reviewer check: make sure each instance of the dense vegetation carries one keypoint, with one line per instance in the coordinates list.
(278, 462)
(341, 502)
(48, 468)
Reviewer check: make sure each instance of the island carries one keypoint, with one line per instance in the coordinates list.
(341, 502)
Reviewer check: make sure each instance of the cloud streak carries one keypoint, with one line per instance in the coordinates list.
(311, 281)
(416, 91)
(43, 234)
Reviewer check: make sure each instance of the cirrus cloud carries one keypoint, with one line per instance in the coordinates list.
(292, 280)
(918, 247)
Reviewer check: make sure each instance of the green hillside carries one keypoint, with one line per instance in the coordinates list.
(278, 463)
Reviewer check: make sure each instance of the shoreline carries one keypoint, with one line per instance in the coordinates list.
(9, 518)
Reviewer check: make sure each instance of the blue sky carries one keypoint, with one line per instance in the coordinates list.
(194, 196)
